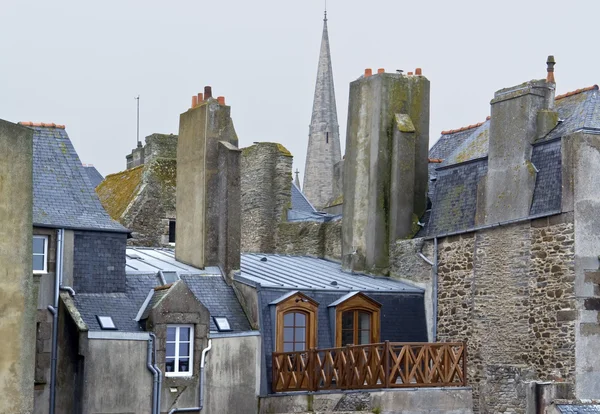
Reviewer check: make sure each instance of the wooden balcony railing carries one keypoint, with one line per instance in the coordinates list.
(382, 365)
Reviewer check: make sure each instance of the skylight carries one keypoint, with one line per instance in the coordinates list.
(106, 322)
(168, 276)
(222, 323)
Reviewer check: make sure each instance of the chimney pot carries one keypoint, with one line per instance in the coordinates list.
(194, 101)
(368, 72)
(550, 62)
(381, 70)
(409, 73)
(221, 100)
(200, 97)
(418, 71)
(207, 92)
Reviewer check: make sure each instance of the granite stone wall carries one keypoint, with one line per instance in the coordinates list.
(310, 239)
(509, 292)
(266, 182)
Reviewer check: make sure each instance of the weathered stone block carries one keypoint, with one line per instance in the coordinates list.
(592, 304)
(588, 329)
(566, 315)
(592, 277)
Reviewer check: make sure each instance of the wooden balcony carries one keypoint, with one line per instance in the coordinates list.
(381, 365)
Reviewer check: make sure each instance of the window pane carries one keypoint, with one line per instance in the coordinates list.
(364, 320)
(299, 346)
(184, 334)
(347, 337)
(38, 245)
(170, 364)
(301, 334)
(38, 262)
(288, 347)
(288, 319)
(170, 349)
(184, 365)
(184, 350)
(348, 320)
(171, 333)
(300, 319)
(288, 334)
(364, 337)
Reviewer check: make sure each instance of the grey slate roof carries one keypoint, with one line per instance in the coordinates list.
(303, 272)
(209, 288)
(93, 175)
(300, 202)
(578, 408)
(453, 192)
(62, 193)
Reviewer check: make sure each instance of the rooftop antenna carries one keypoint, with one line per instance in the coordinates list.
(138, 120)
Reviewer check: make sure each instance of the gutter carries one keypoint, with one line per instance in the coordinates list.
(200, 386)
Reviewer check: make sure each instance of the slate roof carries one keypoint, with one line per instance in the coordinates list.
(453, 190)
(208, 286)
(578, 408)
(63, 195)
(303, 272)
(300, 202)
(93, 175)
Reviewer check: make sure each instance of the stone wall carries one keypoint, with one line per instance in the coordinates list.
(266, 174)
(311, 239)
(509, 292)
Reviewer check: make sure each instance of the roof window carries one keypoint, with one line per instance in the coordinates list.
(106, 322)
(222, 323)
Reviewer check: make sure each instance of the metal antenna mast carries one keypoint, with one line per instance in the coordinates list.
(138, 119)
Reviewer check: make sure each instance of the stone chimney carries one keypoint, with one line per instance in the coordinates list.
(385, 168)
(208, 187)
(17, 319)
(519, 115)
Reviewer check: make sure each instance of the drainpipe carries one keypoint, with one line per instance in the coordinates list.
(54, 310)
(200, 386)
(159, 372)
(150, 361)
(435, 289)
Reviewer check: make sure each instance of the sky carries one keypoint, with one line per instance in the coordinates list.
(82, 63)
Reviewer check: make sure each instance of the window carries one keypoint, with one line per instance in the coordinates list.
(171, 231)
(222, 323)
(296, 323)
(357, 320)
(106, 322)
(179, 357)
(40, 254)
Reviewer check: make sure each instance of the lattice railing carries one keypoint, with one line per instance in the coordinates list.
(382, 365)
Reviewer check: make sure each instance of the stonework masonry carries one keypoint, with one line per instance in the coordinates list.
(266, 194)
(509, 292)
(311, 239)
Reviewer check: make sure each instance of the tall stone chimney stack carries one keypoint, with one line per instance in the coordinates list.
(17, 319)
(519, 115)
(385, 169)
(208, 186)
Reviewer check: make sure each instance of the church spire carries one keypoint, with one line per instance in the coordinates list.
(324, 137)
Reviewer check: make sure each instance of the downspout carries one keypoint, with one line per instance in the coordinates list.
(159, 372)
(200, 386)
(153, 370)
(54, 310)
(435, 289)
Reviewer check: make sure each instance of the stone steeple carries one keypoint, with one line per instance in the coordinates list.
(324, 136)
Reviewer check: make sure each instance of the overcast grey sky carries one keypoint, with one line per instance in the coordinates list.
(81, 63)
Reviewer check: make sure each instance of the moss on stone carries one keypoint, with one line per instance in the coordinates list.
(336, 201)
(117, 190)
(283, 150)
(165, 170)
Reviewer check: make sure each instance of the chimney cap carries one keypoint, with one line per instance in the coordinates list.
(550, 62)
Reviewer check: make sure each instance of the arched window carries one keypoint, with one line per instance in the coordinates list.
(357, 320)
(296, 323)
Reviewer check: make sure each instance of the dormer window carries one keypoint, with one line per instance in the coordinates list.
(296, 326)
(357, 319)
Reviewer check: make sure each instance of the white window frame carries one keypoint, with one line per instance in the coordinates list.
(45, 254)
(176, 372)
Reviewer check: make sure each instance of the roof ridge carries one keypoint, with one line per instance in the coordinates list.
(465, 128)
(41, 124)
(575, 92)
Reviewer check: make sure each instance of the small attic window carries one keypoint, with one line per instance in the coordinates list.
(222, 323)
(106, 322)
(168, 276)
